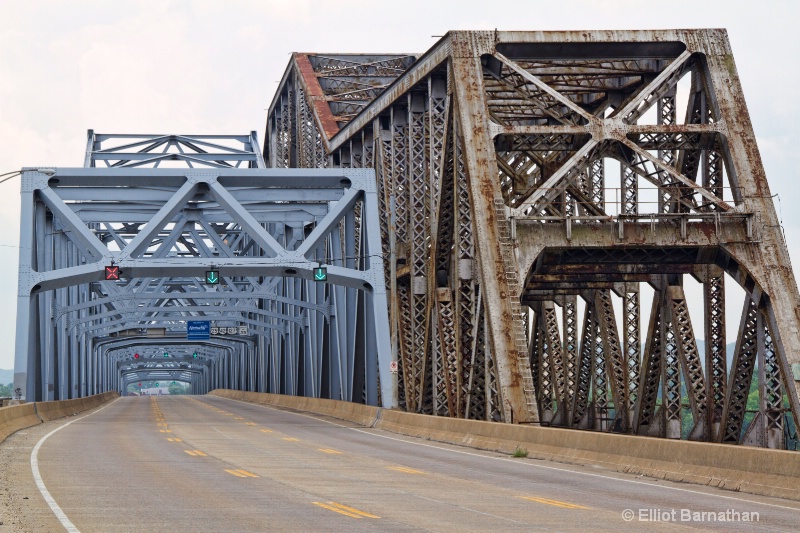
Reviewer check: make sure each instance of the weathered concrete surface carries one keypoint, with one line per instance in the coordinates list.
(745, 469)
(16, 417)
(54, 410)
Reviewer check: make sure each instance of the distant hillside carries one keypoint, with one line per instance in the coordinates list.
(6, 376)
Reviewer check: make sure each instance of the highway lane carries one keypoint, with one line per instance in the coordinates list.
(211, 464)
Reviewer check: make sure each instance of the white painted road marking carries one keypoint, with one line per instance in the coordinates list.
(68, 525)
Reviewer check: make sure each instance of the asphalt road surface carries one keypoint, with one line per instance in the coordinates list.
(205, 463)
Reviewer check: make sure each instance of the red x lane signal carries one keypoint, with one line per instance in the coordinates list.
(112, 273)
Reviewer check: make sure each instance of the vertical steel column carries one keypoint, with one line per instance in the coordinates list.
(716, 357)
(581, 402)
(690, 362)
(569, 320)
(671, 400)
(770, 392)
(504, 327)
(417, 248)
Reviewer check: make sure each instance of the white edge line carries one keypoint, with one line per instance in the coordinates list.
(68, 525)
(534, 465)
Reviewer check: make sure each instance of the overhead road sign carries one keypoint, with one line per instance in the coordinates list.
(112, 273)
(230, 330)
(198, 330)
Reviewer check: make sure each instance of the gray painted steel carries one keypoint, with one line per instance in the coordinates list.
(263, 230)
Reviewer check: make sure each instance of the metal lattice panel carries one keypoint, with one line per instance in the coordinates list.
(744, 360)
(572, 367)
(690, 360)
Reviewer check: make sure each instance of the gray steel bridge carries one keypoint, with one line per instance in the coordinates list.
(272, 326)
(534, 191)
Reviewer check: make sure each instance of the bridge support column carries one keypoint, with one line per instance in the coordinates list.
(500, 302)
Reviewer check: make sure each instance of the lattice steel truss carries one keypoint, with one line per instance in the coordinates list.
(496, 157)
(275, 328)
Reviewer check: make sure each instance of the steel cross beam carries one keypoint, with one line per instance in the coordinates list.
(490, 152)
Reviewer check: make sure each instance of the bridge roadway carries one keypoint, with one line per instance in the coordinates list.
(210, 464)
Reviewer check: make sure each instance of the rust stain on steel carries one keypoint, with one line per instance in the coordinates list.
(316, 96)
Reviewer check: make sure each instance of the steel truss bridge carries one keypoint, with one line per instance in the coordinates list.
(167, 209)
(537, 190)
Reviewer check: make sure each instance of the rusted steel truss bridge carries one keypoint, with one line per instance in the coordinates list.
(554, 204)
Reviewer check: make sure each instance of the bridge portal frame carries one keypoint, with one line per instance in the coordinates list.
(264, 230)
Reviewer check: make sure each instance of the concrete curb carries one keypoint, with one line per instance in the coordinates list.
(364, 415)
(16, 417)
(739, 468)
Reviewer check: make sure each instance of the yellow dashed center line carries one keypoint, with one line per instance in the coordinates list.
(165, 430)
(266, 431)
(328, 450)
(250, 424)
(345, 510)
(555, 503)
(291, 439)
(241, 473)
(405, 470)
(197, 453)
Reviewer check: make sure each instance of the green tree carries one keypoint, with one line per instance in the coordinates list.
(176, 388)
(7, 391)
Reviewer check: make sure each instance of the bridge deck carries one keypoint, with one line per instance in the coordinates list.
(212, 464)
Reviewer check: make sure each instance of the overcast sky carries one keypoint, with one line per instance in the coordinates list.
(212, 67)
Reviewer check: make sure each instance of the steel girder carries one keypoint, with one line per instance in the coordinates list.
(265, 231)
(215, 151)
(494, 154)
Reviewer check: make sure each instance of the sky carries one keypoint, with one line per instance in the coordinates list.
(206, 67)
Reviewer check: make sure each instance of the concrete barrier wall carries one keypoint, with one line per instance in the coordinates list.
(52, 410)
(364, 415)
(16, 417)
(741, 468)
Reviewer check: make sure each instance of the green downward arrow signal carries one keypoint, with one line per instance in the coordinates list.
(212, 277)
(320, 274)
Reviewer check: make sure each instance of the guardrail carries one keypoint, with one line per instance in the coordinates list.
(740, 468)
(16, 417)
